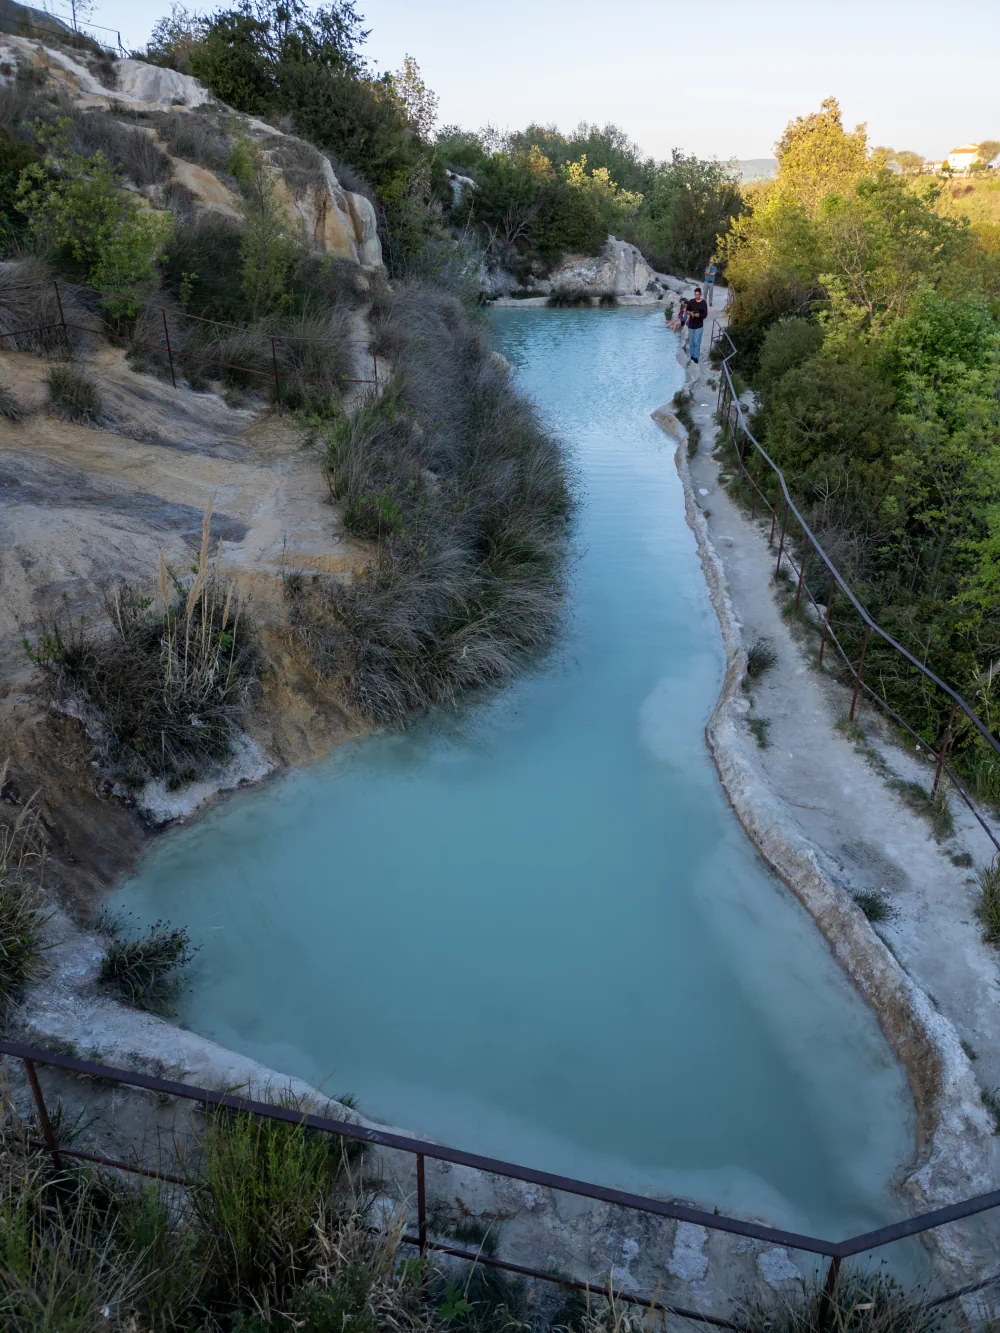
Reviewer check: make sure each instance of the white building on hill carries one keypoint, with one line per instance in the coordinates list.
(961, 159)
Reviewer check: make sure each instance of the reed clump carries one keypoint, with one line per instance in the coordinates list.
(465, 497)
(167, 686)
(22, 915)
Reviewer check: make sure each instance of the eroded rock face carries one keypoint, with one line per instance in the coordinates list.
(139, 82)
(619, 269)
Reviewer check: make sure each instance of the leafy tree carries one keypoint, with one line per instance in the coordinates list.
(989, 150)
(417, 100)
(269, 249)
(816, 155)
(691, 203)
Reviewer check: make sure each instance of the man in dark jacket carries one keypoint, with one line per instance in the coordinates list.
(697, 314)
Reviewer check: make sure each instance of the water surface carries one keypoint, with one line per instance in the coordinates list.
(535, 929)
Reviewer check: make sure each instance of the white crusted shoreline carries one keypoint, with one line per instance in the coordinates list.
(954, 1158)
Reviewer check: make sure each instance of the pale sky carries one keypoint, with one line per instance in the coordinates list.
(720, 78)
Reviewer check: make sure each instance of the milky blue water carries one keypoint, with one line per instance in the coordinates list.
(535, 929)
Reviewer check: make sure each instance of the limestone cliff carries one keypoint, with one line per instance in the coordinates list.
(619, 270)
(332, 219)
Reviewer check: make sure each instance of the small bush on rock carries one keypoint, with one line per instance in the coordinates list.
(761, 657)
(876, 905)
(145, 967)
(73, 395)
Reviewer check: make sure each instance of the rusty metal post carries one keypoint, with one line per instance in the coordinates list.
(781, 547)
(826, 618)
(375, 365)
(798, 586)
(774, 519)
(826, 1300)
(170, 355)
(945, 747)
(421, 1204)
(44, 1122)
(277, 381)
(62, 320)
(857, 674)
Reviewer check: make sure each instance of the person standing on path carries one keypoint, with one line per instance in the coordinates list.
(697, 313)
(711, 269)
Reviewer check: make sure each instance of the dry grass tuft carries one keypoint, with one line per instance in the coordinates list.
(73, 395)
(22, 917)
(28, 302)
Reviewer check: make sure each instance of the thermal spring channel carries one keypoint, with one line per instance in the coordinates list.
(534, 928)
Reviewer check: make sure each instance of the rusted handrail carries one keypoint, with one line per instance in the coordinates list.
(63, 325)
(836, 1251)
(730, 410)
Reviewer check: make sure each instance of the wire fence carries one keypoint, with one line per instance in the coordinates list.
(748, 450)
(274, 376)
(420, 1150)
(78, 34)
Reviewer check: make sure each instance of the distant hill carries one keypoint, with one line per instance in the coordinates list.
(758, 168)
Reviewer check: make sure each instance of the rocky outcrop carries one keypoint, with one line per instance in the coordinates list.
(619, 270)
(458, 186)
(156, 86)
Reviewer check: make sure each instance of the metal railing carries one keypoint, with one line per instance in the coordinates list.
(60, 29)
(271, 342)
(835, 1251)
(732, 417)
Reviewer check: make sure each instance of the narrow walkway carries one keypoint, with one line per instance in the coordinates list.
(833, 794)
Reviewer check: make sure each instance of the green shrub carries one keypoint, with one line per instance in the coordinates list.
(934, 808)
(786, 345)
(75, 206)
(73, 395)
(761, 657)
(144, 967)
(266, 1184)
(569, 296)
(875, 904)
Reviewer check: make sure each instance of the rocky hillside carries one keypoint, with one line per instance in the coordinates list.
(228, 488)
(182, 118)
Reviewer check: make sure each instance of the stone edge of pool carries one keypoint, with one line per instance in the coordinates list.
(954, 1137)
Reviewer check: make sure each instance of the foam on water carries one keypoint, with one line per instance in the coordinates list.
(535, 929)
